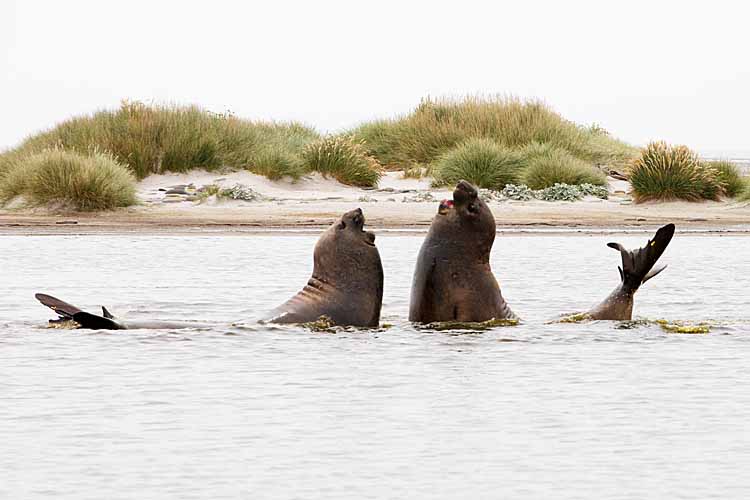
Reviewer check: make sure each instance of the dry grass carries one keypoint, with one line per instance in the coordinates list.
(481, 162)
(664, 172)
(156, 139)
(344, 159)
(71, 180)
(729, 177)
(547, 165)
(437, 126)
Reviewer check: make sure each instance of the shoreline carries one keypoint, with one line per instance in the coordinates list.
(522, 217)
(398, 205)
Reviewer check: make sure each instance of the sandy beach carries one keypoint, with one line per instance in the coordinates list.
(314, 201)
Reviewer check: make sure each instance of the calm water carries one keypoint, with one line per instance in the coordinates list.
(533, 411)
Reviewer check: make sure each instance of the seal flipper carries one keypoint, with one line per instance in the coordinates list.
(637, 264)
(61, 308)
(106, 313)
(93, 322)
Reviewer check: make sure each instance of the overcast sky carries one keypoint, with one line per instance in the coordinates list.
(642, 69)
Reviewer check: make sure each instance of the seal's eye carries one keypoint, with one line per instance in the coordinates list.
(358, 219)
(472, 208)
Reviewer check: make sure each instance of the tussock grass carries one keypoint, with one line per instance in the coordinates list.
(276, 162)
(744, 195)
(664, 172)
(93, 181)
(344, 159)
(152, 139)
(481, 162)
(547, 165)
(438, 125)
(729, 177)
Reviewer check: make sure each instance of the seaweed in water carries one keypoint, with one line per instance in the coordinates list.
(478, 326)
(574, 318)
(681, 327)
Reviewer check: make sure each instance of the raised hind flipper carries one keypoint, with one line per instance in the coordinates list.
(68, 312)
(637, 268)
(61, 308)
(638, 265)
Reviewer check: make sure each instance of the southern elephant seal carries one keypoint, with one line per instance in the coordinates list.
(637, 268)
(347, 279)
(453, 280)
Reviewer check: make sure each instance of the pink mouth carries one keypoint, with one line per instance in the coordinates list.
(445, 205)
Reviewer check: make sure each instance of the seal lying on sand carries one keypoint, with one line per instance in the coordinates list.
(636, 269)
(69, 312)
(453, 280)
(347, 279)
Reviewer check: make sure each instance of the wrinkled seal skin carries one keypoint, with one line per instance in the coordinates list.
(453, 280)
(347, 279)
(637, 268)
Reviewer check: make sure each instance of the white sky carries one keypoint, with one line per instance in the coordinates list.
(642, 69)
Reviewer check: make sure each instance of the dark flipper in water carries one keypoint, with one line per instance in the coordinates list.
(70, 312)
(107, 321)
(61, 308)
(94, 322)
(638, 265)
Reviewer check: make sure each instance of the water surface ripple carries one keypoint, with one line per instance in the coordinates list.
(249, 411)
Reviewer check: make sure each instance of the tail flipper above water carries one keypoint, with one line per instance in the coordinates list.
(63, 309)
(67, 312)
(637, 268)
(638, 265)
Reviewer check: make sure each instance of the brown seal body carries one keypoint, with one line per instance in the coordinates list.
(453, 280)
(637, 268)
(347, 280)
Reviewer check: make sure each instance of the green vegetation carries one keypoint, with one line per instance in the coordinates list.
(729, 177)
(547, 165)
(491, 141)
(437, 126)
(482, 162)
(344, 159)
(93, 181)
(157, 139)
(744, 195)
(664, 172)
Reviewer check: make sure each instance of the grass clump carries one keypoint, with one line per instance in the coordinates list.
(344, 159)
(547, 165)
(84, 182)
(729, 177)
(744, 195)
(664, 172)
(152, 139)
(438, 125)
(481, 162)
(276, 162)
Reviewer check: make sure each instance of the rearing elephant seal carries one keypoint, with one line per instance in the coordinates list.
(636, 269)
(347, 279)
(453, 280)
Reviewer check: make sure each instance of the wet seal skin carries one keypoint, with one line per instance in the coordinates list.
(637, 268)
(346, 286)
(70, 316)
(453, 280)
